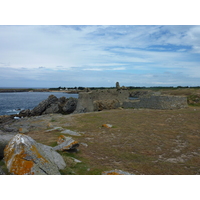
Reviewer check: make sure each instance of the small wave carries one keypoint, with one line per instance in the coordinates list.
(13, 111)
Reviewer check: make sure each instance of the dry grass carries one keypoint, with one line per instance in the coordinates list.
(141, 141)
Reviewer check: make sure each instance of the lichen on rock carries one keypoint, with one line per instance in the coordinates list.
(24, 156)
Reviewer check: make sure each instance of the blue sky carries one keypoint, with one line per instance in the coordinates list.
(140, 55)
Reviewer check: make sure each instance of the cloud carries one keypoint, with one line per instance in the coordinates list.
(71, 54)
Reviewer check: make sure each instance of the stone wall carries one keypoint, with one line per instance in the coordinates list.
(113, 98)
(101, 99)
(157, 102)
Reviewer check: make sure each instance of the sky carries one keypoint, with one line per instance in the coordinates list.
(99, 55)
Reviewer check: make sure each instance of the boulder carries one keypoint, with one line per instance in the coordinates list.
(65, 144)
(4, 140)
(23, 155)
(25, 113)
(70, 106)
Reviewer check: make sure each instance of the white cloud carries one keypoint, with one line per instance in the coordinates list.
(58, 53)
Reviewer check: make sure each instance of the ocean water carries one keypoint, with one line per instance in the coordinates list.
(14, 102)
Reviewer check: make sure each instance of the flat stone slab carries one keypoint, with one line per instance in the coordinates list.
(69, 132)
(55, 128)
(76, 160)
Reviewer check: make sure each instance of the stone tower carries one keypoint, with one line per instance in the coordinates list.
(117, 86)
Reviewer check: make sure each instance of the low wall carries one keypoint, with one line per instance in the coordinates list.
(157, 102)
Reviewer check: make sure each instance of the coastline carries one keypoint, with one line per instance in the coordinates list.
(36, 90)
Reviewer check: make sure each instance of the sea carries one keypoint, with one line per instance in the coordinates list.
(14, 102)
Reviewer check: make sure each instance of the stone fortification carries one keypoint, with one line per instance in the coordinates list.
(115, 98)
(157, 102)
(100, 100)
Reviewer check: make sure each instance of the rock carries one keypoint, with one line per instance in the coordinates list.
(23, 155)
(23, 130)
(116, 172)
(53, 105)
(41, 107)
(49, 125)
(5, 118)
(53, 108)
(4, 140)
(55, 128)
(76, 160)
(55, 157)
(25, 113)
(84, 144)
(7, 128)
(69, 132)
(65, 144)
(70, 106)
(107, 125)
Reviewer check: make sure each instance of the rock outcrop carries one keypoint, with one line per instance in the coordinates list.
(52, 105)
(23, 155)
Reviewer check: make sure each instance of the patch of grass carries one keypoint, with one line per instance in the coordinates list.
(3, 167)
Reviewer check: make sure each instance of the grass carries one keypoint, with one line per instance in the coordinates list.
(141, 141)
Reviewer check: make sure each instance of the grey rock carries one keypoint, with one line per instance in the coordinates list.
(7, 128)
(41, 107)
(25, 113)
(70, 106)
(55, 128)
(69, 132)
(54, 156)
(53, 108)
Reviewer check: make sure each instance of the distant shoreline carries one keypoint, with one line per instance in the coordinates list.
(35, 90)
